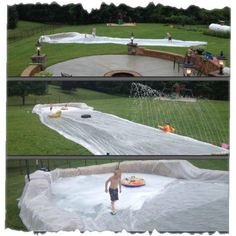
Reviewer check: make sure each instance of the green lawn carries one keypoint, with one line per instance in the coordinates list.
(19, 52)
(24, 26)
(205, 120)
(16, 172)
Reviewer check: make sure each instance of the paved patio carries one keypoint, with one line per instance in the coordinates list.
(101, 64)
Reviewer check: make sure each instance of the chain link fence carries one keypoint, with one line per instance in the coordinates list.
(25, 166)
(16, 36)
(32, 100)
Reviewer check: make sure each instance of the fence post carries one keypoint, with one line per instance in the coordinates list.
(27, 169)
(21, 172)
(41, 163)
(36, 164)
(48, 165)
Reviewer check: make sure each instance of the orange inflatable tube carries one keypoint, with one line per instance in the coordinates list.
(167, 128)
(133, 182)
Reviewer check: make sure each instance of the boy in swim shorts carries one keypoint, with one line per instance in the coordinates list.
(115, 183)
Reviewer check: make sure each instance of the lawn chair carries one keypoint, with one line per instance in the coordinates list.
(65, 75)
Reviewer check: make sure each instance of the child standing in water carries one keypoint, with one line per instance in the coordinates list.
(115, 182)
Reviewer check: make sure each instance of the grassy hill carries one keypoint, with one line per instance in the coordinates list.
(205, 120)
(20, 51)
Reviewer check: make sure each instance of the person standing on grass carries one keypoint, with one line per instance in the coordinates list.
(169, 36)
(115, 183)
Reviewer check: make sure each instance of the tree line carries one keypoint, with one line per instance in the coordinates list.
(215, 90)
(76, 14)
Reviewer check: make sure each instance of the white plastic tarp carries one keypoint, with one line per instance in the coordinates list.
(74, 37)
(219, 28)
(104, 134)
(177, 197)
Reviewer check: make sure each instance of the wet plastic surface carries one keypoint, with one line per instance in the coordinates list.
(104, 134)
(74, 37)
(177, 197)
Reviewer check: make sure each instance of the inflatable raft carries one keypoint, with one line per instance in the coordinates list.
(167, 128)
(55, 115)
(133, 182)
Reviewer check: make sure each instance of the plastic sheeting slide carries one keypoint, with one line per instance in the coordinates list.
(177, 197)
(74, 37)
(104, 134)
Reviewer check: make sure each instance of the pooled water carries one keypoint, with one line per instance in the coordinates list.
(164, 203)
(192, 199)
(86, 194)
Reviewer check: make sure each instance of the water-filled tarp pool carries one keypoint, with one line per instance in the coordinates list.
(177, 197)
(105, 133)
(75, 37)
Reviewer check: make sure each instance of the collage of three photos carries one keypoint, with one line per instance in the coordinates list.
(118, 117)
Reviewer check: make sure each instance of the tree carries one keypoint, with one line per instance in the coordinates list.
(149, 12)
(23, 89)
(56, 12)
(12, 17)
(76, 14)
(95, 16)
(193, 11)
(105, 13)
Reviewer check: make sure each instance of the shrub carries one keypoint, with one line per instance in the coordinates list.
(12, 17)
(217, 34)
(44, 73)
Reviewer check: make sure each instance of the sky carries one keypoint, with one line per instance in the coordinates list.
(89, 4)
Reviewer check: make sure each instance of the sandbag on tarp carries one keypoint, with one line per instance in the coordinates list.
(104, 133)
